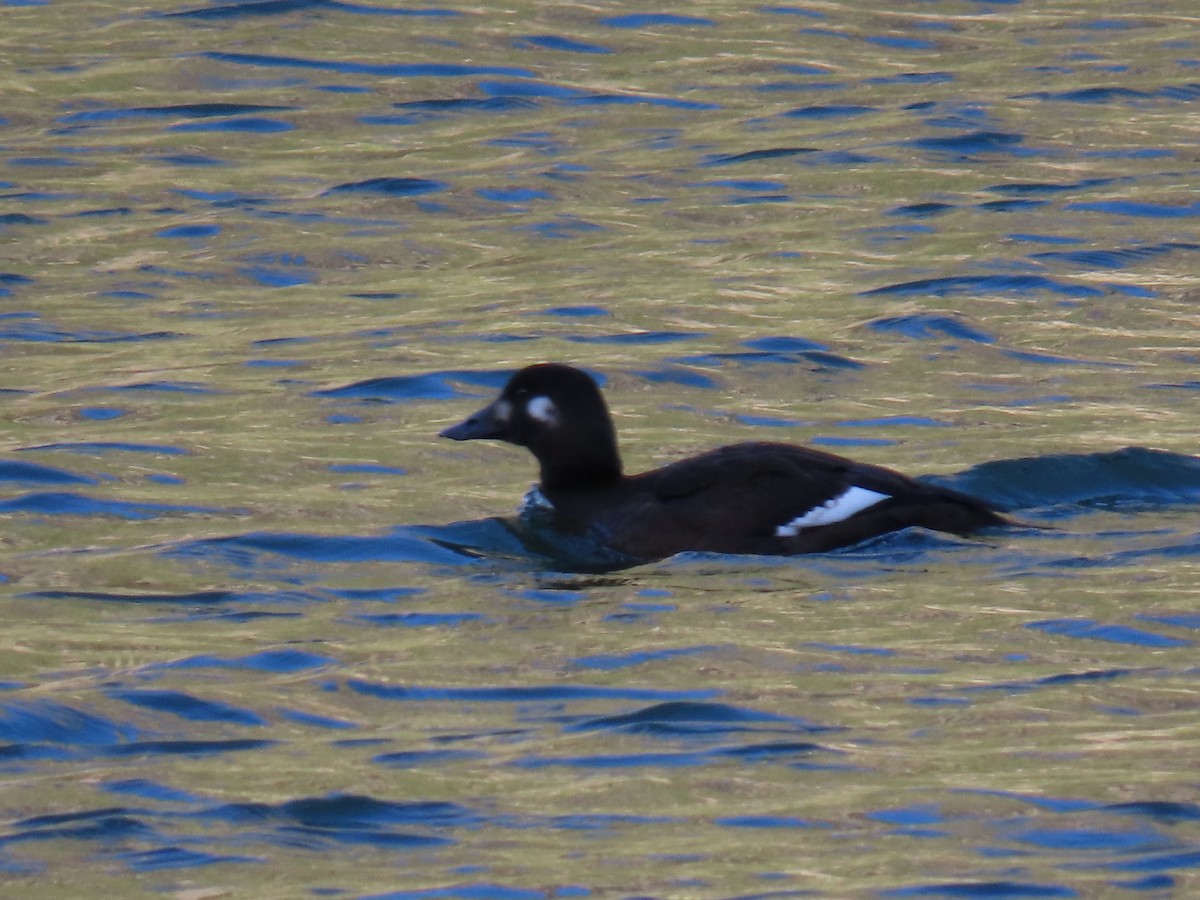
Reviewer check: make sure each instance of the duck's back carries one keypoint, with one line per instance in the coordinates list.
(760, 498)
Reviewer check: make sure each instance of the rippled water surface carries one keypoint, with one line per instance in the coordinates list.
(267, 636)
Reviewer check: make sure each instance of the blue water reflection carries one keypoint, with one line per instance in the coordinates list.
(266, 633)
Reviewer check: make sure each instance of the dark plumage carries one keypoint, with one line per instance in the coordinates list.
(766, 498)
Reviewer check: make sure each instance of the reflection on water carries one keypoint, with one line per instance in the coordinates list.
(268, 636)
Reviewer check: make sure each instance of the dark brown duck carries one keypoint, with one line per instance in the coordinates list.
(763, 498)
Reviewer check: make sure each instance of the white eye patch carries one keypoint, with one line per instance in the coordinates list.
(502, 410)
(542, 409)
(840, 508)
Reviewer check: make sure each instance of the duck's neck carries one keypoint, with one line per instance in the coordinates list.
(590, 463)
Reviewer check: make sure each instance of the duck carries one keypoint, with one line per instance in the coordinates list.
(760, 497)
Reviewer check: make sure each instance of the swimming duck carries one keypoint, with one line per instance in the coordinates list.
(755, 498)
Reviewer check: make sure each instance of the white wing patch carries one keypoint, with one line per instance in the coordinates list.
(542, 409)
(840, 508)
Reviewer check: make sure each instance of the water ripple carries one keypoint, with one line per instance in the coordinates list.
(33, 473)
(521, 694)
(70, 504)
(984, 284)
(284, 7)
(397, 70)
(691, 717)
(1132, 478)
(390, 187)
(186, 706)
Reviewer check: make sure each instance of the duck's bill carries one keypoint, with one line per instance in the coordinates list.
(484, 424)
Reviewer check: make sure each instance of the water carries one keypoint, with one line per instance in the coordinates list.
(266, 634)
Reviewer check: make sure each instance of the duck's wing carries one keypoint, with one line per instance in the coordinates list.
(781, 498)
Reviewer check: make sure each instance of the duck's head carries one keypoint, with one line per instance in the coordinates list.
(559, 414)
